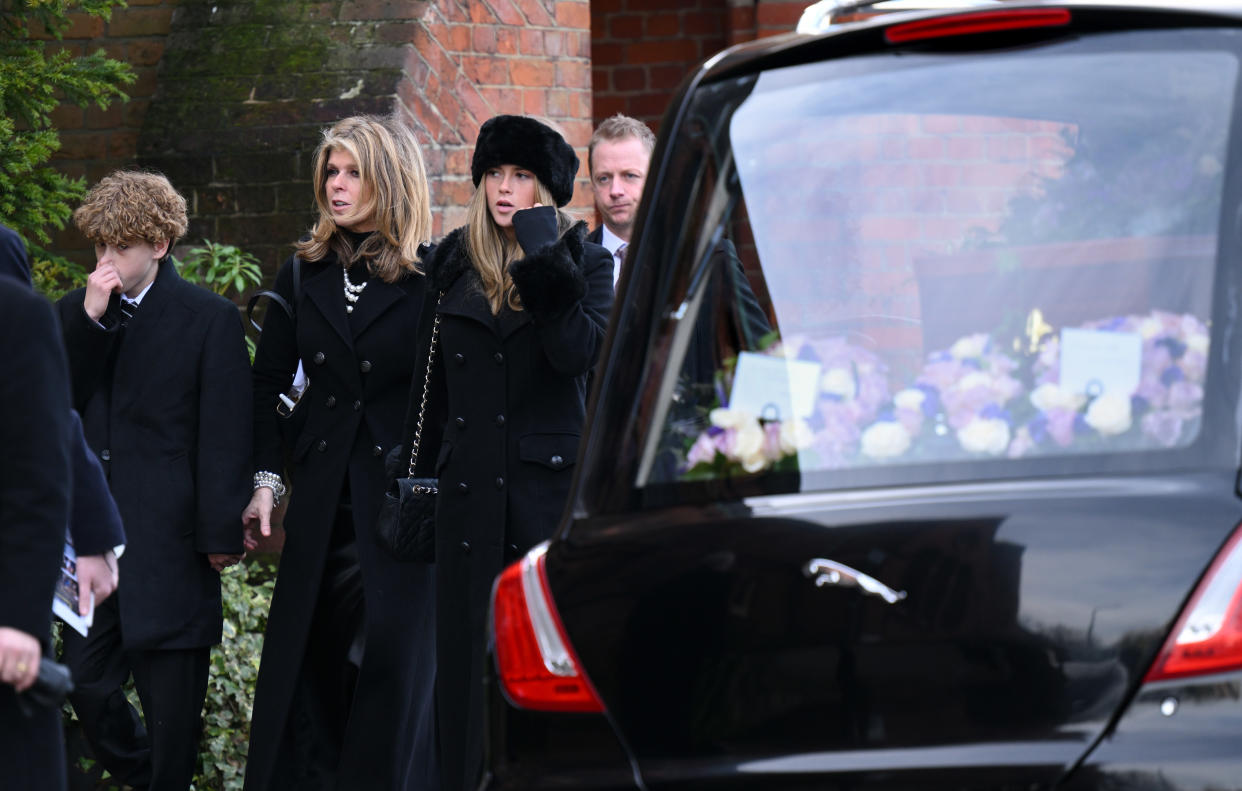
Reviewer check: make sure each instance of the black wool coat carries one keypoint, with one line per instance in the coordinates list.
(360, 365)
(34, 507)
(506, 413)
(165, 405)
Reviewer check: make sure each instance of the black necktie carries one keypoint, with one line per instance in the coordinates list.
(620, 254)
(128, 307)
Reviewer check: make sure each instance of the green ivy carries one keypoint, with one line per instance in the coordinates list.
(247, 590)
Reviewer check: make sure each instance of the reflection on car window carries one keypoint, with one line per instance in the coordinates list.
(994, 257)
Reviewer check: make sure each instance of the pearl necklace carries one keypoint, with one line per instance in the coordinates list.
(352, 292)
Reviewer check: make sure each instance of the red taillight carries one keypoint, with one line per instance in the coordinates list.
(535, 663)
(1208, 636)
(978, 22)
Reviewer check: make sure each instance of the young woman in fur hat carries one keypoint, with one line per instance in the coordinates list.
(523, 305)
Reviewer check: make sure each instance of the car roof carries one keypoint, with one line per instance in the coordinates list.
(726, 60)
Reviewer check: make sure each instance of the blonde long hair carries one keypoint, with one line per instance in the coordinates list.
(395, 196)
(491, 250)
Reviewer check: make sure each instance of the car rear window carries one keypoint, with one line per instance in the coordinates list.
(943, 258)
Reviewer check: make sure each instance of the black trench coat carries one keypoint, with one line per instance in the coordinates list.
(165, 407)
(360, 366)
(508, 398)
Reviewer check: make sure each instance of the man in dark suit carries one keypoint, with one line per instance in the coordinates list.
(34, 505)
(160, 373)
(730, 319)
(94, 522)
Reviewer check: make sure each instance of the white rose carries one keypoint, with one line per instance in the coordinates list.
(972, 380)
(969, 347)
(796, 435)
(748, 445)
(838, 382)
(884, 440)
(911, 398)
(984, 435)
(1109, 414)
(1198, 342)
(748, 441)
(725, 418)
(1050, 396)
(1151, 327)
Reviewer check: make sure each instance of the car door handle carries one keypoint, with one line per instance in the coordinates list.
(830, 572)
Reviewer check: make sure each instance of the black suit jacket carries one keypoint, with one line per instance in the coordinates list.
(34, 504)
(166, 405)
(34, 467)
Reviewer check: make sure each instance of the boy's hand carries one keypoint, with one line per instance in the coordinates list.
(99, 287)
(19, 658)
(220, 562)
(97, 574)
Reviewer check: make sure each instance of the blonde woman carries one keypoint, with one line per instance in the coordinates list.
(522, 317)
(330, 705)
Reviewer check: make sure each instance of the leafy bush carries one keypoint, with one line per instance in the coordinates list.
(221, 267)
(247, 590)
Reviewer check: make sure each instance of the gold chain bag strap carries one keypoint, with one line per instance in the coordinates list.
(406, 525)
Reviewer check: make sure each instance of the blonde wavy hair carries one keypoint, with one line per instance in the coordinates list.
(491, 250)
(131, 205)
(395, 196)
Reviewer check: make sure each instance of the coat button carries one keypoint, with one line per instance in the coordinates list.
(499, 358)
(513, 550)
(330, 402)
(459, 358)
(105, 454)
(465, 547)
(500, 482)
(318, 358)
(364, 366)
(357, 405)
(377, 451)
(463, 488)
(557, 461)
(460, 421)
(322, 444)
(500, 420)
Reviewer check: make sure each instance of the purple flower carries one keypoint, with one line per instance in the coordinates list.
(1164, 427)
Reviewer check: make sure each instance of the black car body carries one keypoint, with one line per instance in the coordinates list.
(961, 508)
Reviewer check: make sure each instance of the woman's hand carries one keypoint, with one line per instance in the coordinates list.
(535, 227)
(260, 509)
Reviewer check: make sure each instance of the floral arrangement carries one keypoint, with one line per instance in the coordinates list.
(975, 399)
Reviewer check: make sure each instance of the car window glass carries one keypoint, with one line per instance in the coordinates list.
(941, 259)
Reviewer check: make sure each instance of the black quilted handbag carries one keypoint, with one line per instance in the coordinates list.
(406, 525)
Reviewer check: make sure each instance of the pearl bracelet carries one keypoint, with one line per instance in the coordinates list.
(272, 481)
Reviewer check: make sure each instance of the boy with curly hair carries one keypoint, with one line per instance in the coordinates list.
(161, 377)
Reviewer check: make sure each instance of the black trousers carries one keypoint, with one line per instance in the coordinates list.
(158, 751)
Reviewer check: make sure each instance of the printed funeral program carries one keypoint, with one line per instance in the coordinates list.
(66, 602)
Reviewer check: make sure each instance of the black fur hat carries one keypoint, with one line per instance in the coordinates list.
(518, 140)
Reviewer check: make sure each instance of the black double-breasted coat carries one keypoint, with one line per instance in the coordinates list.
(360, 365)
(165, 406)
(507, 408)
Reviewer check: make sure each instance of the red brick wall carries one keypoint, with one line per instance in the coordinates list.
(93, 141)
(471, 60)
(643, 49)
